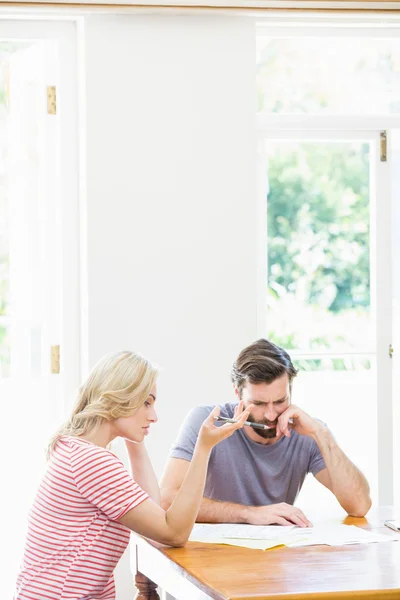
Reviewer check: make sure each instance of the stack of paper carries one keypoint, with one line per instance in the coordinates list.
(270, 536)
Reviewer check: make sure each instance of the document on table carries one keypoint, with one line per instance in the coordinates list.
(270, 536)
(259, 537)
(207, 531)
(335, 535)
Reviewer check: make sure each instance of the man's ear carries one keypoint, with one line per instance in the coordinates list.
(237, 393)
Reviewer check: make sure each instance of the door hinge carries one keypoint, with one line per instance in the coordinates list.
(51, 100)
(55, 359)
(383, 146)
(391, 350)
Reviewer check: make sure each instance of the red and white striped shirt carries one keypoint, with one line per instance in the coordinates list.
(74, 540)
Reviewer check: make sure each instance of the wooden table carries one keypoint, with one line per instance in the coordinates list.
(204, 571)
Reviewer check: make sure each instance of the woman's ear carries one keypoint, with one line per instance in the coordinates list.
(237, 393)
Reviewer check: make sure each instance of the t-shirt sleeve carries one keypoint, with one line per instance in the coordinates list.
(316, 462)
(184, 444)
(102, 479)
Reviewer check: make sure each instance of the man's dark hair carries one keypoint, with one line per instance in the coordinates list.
(261, 362)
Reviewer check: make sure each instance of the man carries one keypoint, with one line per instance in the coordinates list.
(255, 475)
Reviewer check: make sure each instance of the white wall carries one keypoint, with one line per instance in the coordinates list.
(171, 203)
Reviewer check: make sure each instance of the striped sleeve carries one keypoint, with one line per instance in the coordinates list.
(103, 480)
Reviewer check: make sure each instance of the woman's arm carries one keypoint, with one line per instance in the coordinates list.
(142, 470)
(173, 526)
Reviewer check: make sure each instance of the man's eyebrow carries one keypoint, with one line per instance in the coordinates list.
(282, 399)
(261, 401)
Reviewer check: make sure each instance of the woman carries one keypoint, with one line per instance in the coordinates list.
(87, 502)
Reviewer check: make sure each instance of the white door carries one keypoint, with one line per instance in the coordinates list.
(329, 288)
(38, 258)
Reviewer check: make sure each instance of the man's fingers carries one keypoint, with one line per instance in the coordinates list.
(296, 515)
(299, 518)
(303, 517)
(283, 425)
(286, 420)
(293, 514)
(291, 518)
(297, 521)
(282, 521)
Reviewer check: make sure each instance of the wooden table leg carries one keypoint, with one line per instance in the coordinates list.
(147, 589)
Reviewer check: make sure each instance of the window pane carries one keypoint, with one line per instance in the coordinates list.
(346, 402)
(332, 75)
(346, 362)
(318, 246)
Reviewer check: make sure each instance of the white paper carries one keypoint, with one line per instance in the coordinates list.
(268, 536)
(253, 544)
(334, 535)
(208, 532)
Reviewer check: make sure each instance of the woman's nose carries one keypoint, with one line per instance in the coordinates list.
(153, 416)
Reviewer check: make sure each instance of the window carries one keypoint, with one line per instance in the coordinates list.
(327, 105)
(328, 75)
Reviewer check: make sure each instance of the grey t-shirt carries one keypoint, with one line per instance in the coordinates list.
(248, 473)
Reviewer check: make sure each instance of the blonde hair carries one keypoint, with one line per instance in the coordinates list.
(118, 384)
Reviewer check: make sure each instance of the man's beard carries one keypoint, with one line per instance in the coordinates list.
(267, 434)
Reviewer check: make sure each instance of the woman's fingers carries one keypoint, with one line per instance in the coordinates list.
(213, 414)
(242, 417)
(229, 428)
(238, 409)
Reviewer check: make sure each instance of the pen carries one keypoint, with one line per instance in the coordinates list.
(249, 423)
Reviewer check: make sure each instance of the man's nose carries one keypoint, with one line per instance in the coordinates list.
(270, 414)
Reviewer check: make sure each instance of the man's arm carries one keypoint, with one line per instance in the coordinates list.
(341, 476)
(213, 511)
